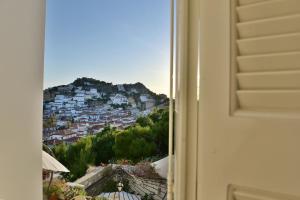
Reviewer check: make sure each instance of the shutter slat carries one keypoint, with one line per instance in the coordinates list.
(269, 62)
(269, 99)
(268, 9)
(273, 26)
(247, 2)
(269, 44)
(269, 80)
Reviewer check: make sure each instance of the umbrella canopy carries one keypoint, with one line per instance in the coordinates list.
(161, 166)
(51, 164)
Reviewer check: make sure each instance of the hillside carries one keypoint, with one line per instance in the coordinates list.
(129, 90)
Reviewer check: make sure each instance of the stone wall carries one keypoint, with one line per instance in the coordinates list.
(95, 176)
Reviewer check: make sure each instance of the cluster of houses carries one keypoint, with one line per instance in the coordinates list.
(67, 118)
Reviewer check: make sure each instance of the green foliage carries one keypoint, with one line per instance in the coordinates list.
(160, 130)
(60, 152)
(147, 139)
(144, 121)
(76, 157)
(134, 143)
(102, 146)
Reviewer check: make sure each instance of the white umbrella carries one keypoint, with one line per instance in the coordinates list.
(161, 167)
(51, 164)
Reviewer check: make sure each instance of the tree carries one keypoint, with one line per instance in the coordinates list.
(144, 121)
(134, 143)
(103, 146)
(60, 152)
(76, 157)
(161, 133)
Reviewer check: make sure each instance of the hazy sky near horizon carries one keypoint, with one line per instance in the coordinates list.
(118, 41)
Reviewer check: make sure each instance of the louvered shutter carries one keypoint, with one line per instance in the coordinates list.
(266, 55)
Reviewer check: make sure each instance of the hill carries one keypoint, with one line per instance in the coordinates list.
(134, 90)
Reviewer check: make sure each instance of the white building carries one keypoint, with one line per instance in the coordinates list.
(93, 91)
(55, 137)
(61, 123)
(119, 99)
(79, 98)
(143, 98)
(60, 98)
(59, 101)
(147, 103)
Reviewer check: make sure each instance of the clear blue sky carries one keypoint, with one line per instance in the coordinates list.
(118, 41)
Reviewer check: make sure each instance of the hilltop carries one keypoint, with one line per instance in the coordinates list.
(134, 90)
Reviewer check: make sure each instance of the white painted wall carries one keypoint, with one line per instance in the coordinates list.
(21, 84)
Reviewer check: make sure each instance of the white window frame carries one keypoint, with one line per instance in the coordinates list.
(186, 99)
(186, 94)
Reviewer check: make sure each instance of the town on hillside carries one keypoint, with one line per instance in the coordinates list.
(87, 106)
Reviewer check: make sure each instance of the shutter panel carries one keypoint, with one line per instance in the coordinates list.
(266, 57)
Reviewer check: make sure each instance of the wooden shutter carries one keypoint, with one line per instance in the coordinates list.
(266, 55)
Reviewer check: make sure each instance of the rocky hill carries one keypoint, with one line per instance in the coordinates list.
(130, 90)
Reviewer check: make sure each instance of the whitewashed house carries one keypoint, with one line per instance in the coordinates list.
(79, 98)
(59, 101)
(119, 99)
(94, 93)
(147, 103)
(55, 137)
(61, 123)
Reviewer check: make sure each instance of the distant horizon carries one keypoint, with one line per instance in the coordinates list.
(110, 40)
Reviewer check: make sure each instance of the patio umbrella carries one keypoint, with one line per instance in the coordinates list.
(51, 164)
(161, 167)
